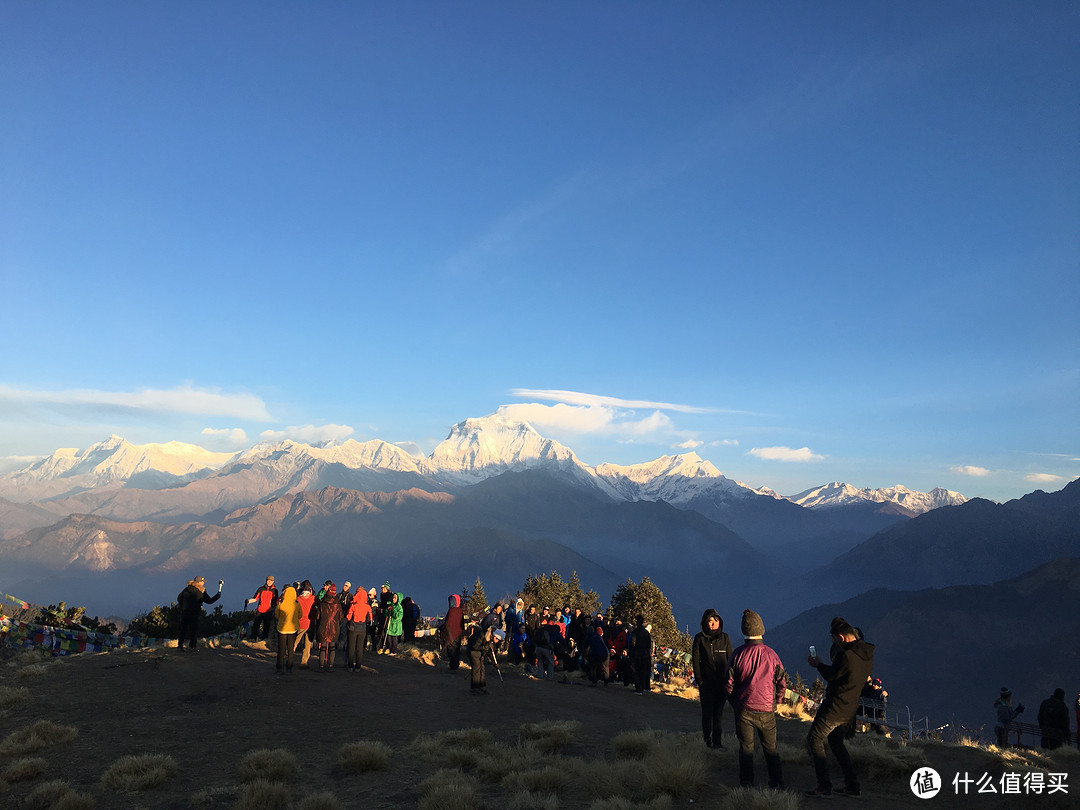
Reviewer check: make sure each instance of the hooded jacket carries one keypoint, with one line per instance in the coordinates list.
(329, 616)
(453, 626)
(288, 612)
(396, 612)
(193, 597)
(846, 677)
(710, 652)
(359, 611)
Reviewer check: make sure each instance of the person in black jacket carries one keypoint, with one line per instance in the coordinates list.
(1054, 720)
(191, 600)
(846, 676)
(641, 647)
(479, 649)
(709, 655)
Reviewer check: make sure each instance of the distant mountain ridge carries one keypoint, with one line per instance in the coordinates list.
(474, 450)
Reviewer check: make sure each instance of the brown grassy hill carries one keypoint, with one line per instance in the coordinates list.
(99, 730)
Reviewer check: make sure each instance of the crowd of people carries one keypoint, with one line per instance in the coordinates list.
(750, 677)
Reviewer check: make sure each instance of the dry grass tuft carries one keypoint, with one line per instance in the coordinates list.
(635, 744)
(453, 791)
(48, 795)
(527, 800)
(13, 695)
(261, 794)
(364, 755)
(550, 735)
(677, 768)
(620, 779)
(319, 801)
(269, 764)
(27, 657)
(550, 778)
(33, 738)
(622, 803)
(138, 772)
(33, 671)
(754, 799)
(496, 762)
(212, 796)
(74, 801)
(882, 758)
(25, 769)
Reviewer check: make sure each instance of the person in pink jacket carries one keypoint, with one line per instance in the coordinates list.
(755, 680)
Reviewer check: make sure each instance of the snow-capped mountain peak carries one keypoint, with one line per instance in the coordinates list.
(494, 442)
(840, 494)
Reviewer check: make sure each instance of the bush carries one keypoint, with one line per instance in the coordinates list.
(138, 772)
(550, 735)
(364, 756)
(269, 765)
(261, 794)
(33, 738)
(25, 769)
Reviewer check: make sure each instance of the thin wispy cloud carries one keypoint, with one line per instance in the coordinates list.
(802, 454)
(183, 399)
(308, 434)
(579, 398)
(1043, 478)
(973, 471)
(237, 436)
(605, 420)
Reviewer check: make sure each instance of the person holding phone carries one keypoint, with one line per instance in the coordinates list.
(852, 665)
(191, 600)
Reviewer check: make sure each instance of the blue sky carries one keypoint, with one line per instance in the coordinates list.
(809, 241)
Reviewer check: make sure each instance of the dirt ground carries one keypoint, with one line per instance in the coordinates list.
(209, 709)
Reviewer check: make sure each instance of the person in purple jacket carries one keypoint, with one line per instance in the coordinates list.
(755, 679)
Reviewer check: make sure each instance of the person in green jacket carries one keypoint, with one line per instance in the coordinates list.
(394, 624)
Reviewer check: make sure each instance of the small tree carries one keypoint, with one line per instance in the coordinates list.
(548, 590)
(476, 602)
(646, 599)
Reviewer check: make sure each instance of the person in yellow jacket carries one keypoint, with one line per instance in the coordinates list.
(288, 625)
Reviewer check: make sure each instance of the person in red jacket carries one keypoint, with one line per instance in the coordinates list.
(452, 631)
(265, 600)
(356, 623)
(305, 639)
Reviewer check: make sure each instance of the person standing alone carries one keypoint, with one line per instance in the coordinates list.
(709, 656)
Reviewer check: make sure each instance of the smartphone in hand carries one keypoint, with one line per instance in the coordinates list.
(813, 651)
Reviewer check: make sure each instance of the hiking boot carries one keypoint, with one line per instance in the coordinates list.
(847, 791)
(819, 793)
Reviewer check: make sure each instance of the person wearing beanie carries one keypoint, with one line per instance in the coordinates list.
(1005, 715)
(755, 682)
(845, 676)
(709, 656)
(1054, 721)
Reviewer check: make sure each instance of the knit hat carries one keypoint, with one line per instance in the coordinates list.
(1005, 692)
(752, 625)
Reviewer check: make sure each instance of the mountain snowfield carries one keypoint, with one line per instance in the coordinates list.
(476, 449)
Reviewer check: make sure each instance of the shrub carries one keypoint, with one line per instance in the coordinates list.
(548, 779)
(634, 744)
(261, 794)
(12, 695)
(622, 803)
(33, 738)
(550, 735)
(33, 671)
(25, 769)
(138, 772)
(319, 801)
(364, 756)
(269, 764)
(47, 794)
(455, 794)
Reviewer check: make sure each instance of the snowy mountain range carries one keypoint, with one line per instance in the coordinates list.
(476, 449)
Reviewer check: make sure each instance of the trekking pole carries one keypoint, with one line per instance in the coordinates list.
(495, 661)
